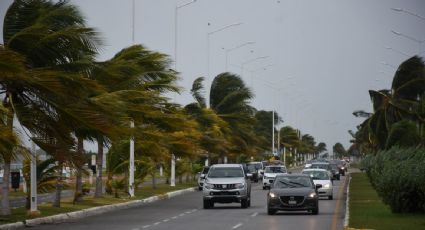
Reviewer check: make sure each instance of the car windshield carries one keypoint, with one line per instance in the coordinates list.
(317, 175)
(319, 166)
(225, 172)
(333, 166)
(275, 170)
(292, 182)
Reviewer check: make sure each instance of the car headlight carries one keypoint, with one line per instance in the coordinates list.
(342, 167)
(326, 186)
(312, 195)
(272, 195)
(240, 185)
(208, 185)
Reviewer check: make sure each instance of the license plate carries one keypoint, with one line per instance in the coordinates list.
(292, 202)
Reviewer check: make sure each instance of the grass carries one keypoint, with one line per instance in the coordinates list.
(20, 214)
(368, 212)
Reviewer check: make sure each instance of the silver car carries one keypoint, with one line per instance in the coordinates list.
(226, 183)
(270, 173)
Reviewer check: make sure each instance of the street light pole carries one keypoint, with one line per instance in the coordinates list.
(235, 48)
(208, 50)
(33, 208)
(401, 10)
(175, 29)
(131, 167)
(420, 42)
(249, 61)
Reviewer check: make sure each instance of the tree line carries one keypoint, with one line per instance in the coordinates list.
(60, 95)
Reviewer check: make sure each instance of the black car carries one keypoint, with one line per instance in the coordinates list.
(335, 172)
(254, 169)
(293, 192)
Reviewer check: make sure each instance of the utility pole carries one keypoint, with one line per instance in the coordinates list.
(33, 207)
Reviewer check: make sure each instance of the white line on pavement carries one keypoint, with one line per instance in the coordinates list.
(237, 226)
(174, 217)
(156, 223)
(166, 220)
(254, 214)
(188, 212)
(146, 226)
(194, 210)
(135, 229)
(181, 214)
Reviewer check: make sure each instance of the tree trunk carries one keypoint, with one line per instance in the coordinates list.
(99, 165)
(5, 205)
(78, 195)
(58, 190)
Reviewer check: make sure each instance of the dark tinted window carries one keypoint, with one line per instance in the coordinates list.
(220, 172)
(292, 182)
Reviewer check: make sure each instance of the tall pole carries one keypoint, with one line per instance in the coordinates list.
(131, 163)
(131, 167)
(33, 208)
(208, 51)
(173, 170)
(273, 132)
(176, 10)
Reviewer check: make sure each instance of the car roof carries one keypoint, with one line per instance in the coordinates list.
(320, 163)
(227, 166)
(269, 166)
(309, 170)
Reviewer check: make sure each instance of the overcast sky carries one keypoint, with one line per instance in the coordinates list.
(322, 56)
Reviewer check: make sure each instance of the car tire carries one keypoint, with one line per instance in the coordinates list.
(264, 187)
(331, 197)
(315, 211)
(244, 203)
(271, 211)
(208, 204)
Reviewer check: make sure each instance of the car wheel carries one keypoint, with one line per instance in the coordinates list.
(331, 197)
(315, 211)
(264, 187)
(271, 211)
(207, 204)
(244, 203)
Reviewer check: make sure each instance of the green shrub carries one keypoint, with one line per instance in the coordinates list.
(398, 175)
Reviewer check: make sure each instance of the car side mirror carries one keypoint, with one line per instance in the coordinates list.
(249, 175)
(318, 186)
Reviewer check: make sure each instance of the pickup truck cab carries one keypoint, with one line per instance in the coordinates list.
(226, 183)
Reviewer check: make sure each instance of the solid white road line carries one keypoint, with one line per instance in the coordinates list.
(237, 226)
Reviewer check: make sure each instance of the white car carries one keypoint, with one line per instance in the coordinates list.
(270, 173)
(322, 177)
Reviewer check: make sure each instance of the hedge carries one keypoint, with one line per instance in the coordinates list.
(398, 175)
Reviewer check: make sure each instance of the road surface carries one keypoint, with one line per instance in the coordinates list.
(186, 212)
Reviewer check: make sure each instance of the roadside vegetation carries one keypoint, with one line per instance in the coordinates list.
(391, 141)
(367, 211)
(54, 87)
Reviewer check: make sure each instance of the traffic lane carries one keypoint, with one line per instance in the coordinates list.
(303, 220)
(185, 212)
(136, 218)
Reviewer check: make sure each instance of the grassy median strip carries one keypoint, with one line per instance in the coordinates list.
(368, 212)
(20, 214)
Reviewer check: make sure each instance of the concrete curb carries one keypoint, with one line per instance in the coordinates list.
(347, 205)
(60, 218)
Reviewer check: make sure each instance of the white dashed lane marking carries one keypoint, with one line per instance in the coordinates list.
(146, 226)
(168, 219)
(237, 226)
(254, 214)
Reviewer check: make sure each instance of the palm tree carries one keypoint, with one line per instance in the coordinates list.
(214, 130)
(46, 53)
(229, 98)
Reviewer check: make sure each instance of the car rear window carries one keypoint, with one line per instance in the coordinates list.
(317, 175)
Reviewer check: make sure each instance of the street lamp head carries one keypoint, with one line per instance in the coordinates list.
(396, 33)
(397, 9)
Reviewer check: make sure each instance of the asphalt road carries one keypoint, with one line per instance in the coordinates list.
(185, 212)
